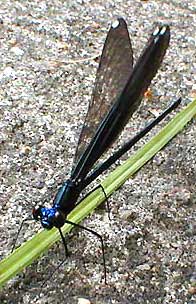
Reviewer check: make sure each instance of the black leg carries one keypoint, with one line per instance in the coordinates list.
(19, 230)
(107, 201)
(100, 238)
(106, 198)
(61, 263)
(64, 243)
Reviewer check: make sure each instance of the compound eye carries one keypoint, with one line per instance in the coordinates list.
(37, 212)
(59, 219)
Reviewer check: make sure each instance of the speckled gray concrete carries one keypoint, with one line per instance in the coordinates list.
(43, 99)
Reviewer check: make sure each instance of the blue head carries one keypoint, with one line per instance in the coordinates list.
(49, 217)
(63, 203)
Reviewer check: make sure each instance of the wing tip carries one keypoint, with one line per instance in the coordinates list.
(161, 30)
(120, 21)
(161, 33)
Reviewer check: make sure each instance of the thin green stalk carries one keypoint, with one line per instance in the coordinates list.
(32, 249)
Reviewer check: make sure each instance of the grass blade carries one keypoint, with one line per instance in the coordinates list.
(32, 249)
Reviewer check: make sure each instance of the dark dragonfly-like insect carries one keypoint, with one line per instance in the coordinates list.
(118, 91)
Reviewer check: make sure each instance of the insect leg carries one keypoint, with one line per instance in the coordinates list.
(98, 236)
(19, 230)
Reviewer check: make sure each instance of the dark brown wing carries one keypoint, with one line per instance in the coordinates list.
(114, 70)
(125, 104)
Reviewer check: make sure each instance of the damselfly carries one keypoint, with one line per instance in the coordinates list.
(118, 91)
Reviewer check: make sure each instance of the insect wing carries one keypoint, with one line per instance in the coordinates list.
(126, 103)
(114, 70)
(146, 68)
